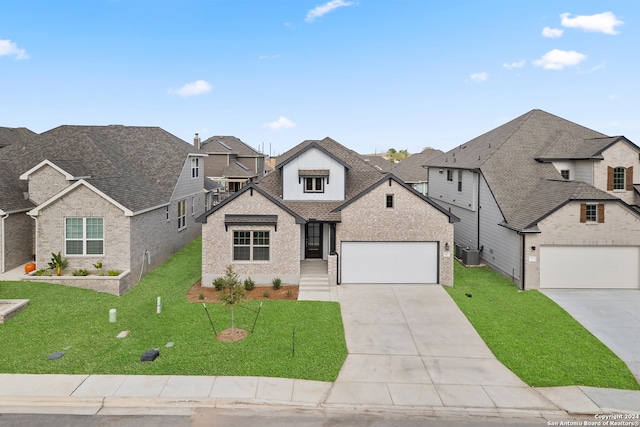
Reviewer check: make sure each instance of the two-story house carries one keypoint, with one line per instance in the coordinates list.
(546, 202)
(324, 201)
(412, 170)
(230, 163)
(121, 195)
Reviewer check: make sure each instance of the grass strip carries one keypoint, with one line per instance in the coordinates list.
(533, 336)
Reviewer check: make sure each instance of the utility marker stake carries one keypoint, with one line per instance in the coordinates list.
(207, 311)
(256, 319)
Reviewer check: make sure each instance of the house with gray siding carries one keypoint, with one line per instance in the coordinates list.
(230, 163)
(412, 169)
(124, 196)
(325, 202)
(546, 202)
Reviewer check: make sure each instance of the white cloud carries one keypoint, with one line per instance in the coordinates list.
(263, 57)
(600, 23)
(552, 33)
(558, 59)
(513, 65)
(7, 47)
(192, 89)
(322, 10)
(479, 77)
(281, 123)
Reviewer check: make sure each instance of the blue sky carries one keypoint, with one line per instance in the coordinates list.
(372, 74)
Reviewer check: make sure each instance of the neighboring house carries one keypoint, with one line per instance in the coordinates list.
(379, 161)
(547, 202)
(412, 170)
(121, 195)
(326, 202)
(230, 162)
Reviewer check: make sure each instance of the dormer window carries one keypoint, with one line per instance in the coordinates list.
(313, 185)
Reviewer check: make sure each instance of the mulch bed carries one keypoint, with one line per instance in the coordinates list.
(199, 293)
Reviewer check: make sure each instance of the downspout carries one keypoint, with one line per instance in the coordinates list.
(522, 275)
(2, 245)
(478, 209)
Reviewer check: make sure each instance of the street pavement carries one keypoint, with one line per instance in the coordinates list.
(411, 352)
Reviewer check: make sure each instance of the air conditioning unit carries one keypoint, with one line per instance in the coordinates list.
(470, 256)
(459, 249)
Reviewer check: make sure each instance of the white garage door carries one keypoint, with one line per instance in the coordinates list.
(589, 267)
(389, 262)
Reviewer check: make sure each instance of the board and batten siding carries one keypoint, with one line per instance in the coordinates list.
(313, 159)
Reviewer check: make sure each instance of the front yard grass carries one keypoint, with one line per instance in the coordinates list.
(77, 320)
(533, 336)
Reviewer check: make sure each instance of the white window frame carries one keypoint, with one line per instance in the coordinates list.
(84, 239)
(195, 167)
(182, 215)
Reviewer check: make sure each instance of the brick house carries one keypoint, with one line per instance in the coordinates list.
(324, 201)
(125, 196)
(546, 202)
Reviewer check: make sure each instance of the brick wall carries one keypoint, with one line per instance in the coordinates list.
(620, 154)
(45, 183)
(563, 227)
(411, 219)
(82, 202)
(18, 240)
(217, 243)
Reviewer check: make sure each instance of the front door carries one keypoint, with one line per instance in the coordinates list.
(313, 245)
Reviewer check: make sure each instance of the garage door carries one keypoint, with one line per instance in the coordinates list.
(589, 267)
(389, 262)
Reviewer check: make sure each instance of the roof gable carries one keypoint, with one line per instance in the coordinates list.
(304, 147)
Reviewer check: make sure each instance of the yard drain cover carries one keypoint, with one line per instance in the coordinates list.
(56, 355)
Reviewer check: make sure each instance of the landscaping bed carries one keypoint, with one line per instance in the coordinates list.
(199, 293)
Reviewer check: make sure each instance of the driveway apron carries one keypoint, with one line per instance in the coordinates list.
(411, 345)
(611, 315)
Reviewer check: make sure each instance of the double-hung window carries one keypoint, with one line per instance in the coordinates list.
(195, 167)
(182, 214)
(84, 236)
(251, 246)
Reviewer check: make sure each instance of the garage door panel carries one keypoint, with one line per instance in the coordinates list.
(389, 262)
(589, 267)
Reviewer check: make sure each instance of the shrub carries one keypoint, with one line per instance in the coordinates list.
(289, 293)
(80, 272)
(42, 272)
(201, 296)
(249, 284)
(113, 273)
(219, 283)
(266, 294)
(276, 283)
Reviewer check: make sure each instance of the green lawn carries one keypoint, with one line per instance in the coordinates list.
(533, 336)
(60, 317)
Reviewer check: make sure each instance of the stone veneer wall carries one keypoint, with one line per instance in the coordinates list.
(18, 240)
(411, 219)
(563, 227)
(217, 243)
(115, 285)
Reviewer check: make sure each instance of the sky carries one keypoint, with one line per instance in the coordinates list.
(371, 74)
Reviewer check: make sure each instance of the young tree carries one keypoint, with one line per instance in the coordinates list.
(233, 294)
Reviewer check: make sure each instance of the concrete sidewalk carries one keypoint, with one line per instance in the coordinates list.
(411, 352)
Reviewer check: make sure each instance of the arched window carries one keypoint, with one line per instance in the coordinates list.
(620, 178)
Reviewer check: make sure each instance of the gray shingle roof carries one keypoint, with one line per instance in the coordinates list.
(219, 144)
(360, 175)
(136, 166)
(507, 155)
(379, 162)
(10, 135)
(411, 170)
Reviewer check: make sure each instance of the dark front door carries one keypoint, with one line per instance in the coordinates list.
(313, 245)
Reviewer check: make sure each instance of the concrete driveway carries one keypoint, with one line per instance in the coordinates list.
(411, 345)
(612, 315)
